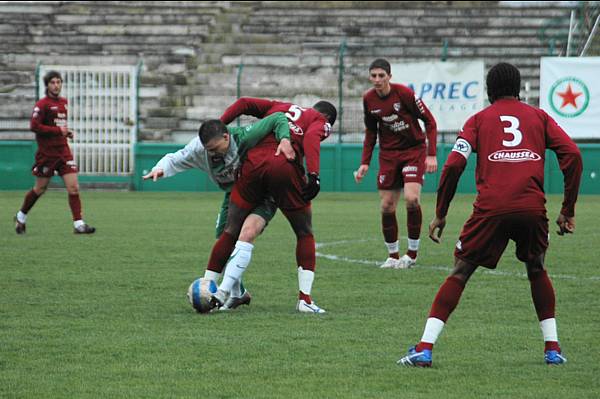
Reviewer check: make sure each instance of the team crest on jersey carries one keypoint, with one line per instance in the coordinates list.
(397, 107)
(521, 155)
(459, 245)
(381, 179)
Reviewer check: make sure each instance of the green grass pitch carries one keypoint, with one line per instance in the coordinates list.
(105, 316)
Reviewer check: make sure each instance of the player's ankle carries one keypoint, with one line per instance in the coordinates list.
(421, 346)
(304, 297)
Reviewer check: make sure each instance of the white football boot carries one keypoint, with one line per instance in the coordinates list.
(304, 307)
(233, 302)
(405, 262)
(390, 263)
(217, 300)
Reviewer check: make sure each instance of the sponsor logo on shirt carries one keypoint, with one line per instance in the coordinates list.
(389, 118)
(54, 108)
(397, 126)
(520, 155)
(295, 128)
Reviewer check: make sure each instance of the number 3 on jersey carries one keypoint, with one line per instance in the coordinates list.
(513, 129)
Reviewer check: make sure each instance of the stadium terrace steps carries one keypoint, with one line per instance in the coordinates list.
(191, 51)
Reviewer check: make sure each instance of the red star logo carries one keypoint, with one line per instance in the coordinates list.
(569, 97)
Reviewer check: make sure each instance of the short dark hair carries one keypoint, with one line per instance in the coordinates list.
(211, 129)
(503, 80)
(51, 75)
(328, 109)
(381, 63)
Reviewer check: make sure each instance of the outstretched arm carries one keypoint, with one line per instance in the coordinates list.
(256, 107)
(184, 159)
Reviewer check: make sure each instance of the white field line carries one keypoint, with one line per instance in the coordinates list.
(338, 258)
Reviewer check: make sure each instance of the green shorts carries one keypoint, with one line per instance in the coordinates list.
(266, 210)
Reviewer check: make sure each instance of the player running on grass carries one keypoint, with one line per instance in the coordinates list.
(219, 151)
(510, 139)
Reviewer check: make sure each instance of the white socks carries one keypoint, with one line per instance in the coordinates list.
(413, 245)
(21, 217)
(236, 290)
(236, 266)
(211, 275)
(305, 280)
(433, 329)
(549, 331)
(78, 223)
(392, 247)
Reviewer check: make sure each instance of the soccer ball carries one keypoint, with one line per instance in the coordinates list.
(199, 294)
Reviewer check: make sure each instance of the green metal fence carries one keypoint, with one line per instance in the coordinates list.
(338, 161)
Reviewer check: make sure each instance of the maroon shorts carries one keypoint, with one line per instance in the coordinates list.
(484, 238)
(45, 166)
(270, 176)
(399, 167)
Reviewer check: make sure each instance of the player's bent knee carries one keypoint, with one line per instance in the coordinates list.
(40, 190)
(250, 233)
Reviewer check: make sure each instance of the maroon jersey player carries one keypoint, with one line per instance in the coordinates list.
(392, 114)
(49, 123)
(510, 139)
(291, 186)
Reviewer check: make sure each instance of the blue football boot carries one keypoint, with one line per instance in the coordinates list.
(554, 357)
(416, 359)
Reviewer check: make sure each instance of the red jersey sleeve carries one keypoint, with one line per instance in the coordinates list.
(370, 135)
(455, 166)
(569, 160)
(317, 132)
(453, 169)
(256, 107)
(38, 118)
(426, 116)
